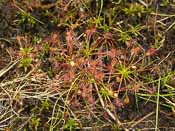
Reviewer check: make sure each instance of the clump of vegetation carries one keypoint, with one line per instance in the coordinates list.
(88, 65)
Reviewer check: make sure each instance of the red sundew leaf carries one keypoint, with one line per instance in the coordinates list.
(89, 32)
(55, 39)
(135, 88)
(92, 66)
(69, 40)
(98, 41)
(84, 91)
(100, 53)
(87, 95)
(68, 77)
(105, 115)
(135, 51)
(151, 90)
(82, 86)
(131, 42)
(107, 36)
(111, 65)
(118, 52)
(99, 76)
(150, 51)
(81, 62)
(112, 53)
